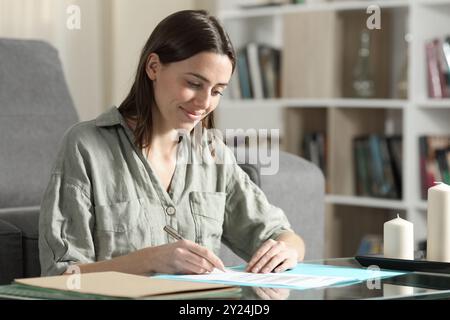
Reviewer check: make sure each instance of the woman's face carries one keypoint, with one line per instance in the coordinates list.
(187, 91)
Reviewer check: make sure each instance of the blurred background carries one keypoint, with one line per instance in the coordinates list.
(100, 58)
(361, 91)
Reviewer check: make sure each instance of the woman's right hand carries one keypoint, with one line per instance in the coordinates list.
(183, 257)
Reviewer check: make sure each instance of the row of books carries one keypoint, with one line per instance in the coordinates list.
(258, 73)
(370, 244)
(314, 149)
(438, 67)
(434, 160)
(378, 162)
(378, 166)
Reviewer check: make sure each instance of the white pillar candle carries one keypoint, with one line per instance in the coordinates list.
(438, 223)
(398, 239)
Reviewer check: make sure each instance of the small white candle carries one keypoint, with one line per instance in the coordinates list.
(438, 223)
(398, 239)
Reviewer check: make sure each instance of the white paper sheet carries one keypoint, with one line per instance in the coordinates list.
(268, 279)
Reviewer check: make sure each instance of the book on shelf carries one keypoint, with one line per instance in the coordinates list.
(377, 166)
(314, 149)
(441, 159)
(362, 164)
(445, 56)
(438, 72)
(255, 70)
(395, 149)
(269, 63)
(370, 244)
(258, 72)
(244, 75)
(434, 161)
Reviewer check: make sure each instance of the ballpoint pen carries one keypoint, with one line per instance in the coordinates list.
(171, 231)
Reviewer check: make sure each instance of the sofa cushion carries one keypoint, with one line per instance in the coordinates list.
(36, 110)
(26, 220)
(299, 189)
(10, 253)
(31, 265)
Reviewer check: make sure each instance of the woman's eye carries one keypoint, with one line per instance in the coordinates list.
(199, 86)
(194, 85)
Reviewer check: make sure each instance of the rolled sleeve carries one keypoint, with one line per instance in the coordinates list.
(65, 226)
(250, 219)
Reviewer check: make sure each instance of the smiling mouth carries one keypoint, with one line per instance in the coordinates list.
(190, 115)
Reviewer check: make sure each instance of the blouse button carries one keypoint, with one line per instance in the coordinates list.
(170, 211)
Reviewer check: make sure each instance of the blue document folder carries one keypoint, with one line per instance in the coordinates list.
(348, 275)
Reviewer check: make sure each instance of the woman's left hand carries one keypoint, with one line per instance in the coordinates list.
(273, 255)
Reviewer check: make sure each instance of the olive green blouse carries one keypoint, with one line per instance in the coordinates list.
(103, 199)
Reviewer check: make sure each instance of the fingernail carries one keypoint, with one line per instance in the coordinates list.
(255, 270)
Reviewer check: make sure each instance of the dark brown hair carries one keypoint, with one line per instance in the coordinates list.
(179, 36)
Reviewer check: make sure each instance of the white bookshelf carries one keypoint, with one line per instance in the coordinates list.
(229, 14)
(435, 104)
(412, 117)
(421, 205)
(311, 103)
(365, 202)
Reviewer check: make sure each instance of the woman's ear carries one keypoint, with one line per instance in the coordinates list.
(153, 65)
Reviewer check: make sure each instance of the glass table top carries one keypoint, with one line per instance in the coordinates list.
(412, 285)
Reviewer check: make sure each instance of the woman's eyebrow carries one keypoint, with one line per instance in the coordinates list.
(204, 78)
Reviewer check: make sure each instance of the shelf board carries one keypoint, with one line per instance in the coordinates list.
(422, 205)
(320, 103)
(434, 2)
(365, 202)
(435, 103)
(309, 7)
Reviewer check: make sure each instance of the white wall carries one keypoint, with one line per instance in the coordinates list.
(82, 53)
(132, 23)
(79, 50)
(100, 59)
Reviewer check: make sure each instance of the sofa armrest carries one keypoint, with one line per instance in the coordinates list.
(26, 220)
(299, 189)
(10, 253)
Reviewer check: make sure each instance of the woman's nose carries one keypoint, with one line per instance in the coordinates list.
(202, 99)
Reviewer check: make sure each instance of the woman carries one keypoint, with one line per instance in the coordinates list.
(121, 178)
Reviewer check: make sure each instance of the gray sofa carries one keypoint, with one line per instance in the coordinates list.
(36, 109)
